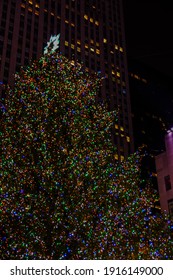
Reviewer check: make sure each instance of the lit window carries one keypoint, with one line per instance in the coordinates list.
(78, 49)
(104, 40)
(97, 51)
(118, 74)
(91, 20)
(121, 49)
(66, 43)
(96, 23)
(78, 42)
(116, 47)
(116, 126)
(72, 46)
(122, 128)
(128, 139)
(86, 16)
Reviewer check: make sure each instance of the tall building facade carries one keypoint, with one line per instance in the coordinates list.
(152, 112)
(164, 167)
(91, 32)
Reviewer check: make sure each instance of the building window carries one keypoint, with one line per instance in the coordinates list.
(167, 182)
(170, 207)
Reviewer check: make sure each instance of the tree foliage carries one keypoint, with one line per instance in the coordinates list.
(62, 195)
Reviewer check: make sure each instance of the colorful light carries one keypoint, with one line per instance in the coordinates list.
(62, 195)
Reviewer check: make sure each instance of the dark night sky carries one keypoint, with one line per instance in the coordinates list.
(149, 29)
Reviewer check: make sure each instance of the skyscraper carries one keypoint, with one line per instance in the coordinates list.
(92, 32)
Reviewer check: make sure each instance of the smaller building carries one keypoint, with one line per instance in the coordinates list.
(164, 169)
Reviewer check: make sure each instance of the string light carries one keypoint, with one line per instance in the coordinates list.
(62, 196)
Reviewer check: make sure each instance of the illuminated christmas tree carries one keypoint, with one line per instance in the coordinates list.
(62, 196)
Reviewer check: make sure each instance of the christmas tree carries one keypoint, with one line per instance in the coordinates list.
(62, 195)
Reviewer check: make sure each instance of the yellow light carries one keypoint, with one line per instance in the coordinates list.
(97, 51)
(96, 23)
(116, 47)
(104, 40)
(86, 16)
(128, 139)
(116, 156)
(121, 49)
(91, 20)
(122, 158)
(118, 74)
